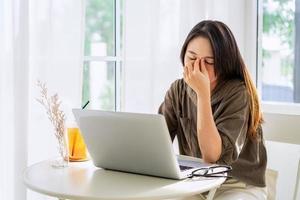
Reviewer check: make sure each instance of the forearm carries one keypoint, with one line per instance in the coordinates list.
(209, 140)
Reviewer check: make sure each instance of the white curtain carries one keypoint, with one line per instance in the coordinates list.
(40, 39)
(13, 97)
(154, 33)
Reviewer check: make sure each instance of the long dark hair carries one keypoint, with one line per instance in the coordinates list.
(228, 63)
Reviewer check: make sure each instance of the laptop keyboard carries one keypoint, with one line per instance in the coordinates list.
(183, 168)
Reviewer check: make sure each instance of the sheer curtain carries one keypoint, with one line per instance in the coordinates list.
(40, 40)
(154, 33)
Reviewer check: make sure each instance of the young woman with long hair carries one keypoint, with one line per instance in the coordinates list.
(214, 110)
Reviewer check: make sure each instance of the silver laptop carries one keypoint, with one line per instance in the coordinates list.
(131, 142)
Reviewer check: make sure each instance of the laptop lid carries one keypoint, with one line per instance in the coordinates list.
(130, 142)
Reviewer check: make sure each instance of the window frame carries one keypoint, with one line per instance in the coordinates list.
(117, 58)
(268, 106)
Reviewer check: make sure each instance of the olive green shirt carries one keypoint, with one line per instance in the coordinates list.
(231, 108)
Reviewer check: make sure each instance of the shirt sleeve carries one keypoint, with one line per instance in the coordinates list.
(167, 108)
(232, 123)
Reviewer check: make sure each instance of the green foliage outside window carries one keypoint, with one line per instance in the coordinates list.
(280, 22)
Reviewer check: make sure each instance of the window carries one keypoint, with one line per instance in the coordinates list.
(279, 69)
(102, 54)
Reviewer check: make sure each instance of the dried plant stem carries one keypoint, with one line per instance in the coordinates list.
(55, 115)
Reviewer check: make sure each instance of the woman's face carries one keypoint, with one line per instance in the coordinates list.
(200, 47)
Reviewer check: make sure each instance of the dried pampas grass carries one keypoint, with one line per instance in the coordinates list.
(54, 113)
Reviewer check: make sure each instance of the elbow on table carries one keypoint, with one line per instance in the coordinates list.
(212, 157)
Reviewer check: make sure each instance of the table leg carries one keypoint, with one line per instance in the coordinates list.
(211, 194)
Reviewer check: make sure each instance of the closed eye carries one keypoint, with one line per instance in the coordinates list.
(191, 58)
(209, 61)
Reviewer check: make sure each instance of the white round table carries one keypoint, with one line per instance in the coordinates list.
(84, 181)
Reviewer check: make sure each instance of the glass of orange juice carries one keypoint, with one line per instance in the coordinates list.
(77, 147)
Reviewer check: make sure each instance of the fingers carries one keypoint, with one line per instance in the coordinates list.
(197, 65)
(188, 69)
(203, 67)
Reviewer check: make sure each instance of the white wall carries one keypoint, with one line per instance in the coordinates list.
(154, 33)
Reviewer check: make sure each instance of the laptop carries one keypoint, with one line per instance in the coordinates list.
(133, 142)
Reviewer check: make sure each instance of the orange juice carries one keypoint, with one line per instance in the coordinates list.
(77, 148)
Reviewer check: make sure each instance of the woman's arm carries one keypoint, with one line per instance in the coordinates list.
(209, 139)
(210, 143)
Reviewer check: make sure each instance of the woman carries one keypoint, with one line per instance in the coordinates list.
(214, 110)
